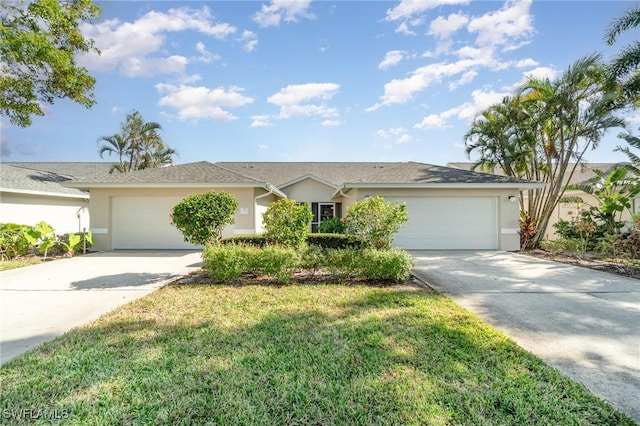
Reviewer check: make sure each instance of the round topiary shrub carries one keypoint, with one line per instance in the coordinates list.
(202, 217)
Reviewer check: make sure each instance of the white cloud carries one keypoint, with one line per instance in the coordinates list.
(541, 73)
(278, 10)
(403, 28)
(294, 100)
(263, 148)
(393, 131)
(505, 26)
(205, 56)
(466, 78)
(405, 138)
(330, 123)
(482, 99)
(526, 63)
(194, 103)
(136, 48)
(431, 121)
(445, 27)
(409, 8)
(392, 58)
(399, 91)
(260, 121)
(634, 119)
(250, 40)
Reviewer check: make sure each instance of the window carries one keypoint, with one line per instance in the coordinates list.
(322, 211)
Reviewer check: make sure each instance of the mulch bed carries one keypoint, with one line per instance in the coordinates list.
(298, 278)
(618, 268)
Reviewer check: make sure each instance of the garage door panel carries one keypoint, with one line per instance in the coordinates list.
(144, 223)
(449, 223)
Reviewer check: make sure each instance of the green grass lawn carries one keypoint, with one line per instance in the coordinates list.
(6, 265)
(294, 355)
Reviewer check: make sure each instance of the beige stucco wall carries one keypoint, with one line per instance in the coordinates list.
(65, 215)
(309, 190)
(507, 211)
(101, 206)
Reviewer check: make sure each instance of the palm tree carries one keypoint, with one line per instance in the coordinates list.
(142, 137)
(634, 158)
(544, 131)
(138, 145)
(117, 145)
(624, 67)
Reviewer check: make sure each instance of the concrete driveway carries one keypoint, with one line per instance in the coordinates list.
(583, 322)
(41, 302)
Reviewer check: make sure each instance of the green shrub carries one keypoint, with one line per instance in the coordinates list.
(202, 217)
(394, 264)
(225, 262)
(249, 240)
(287, 223)
(332, 225)
(275, 261)
(13, 240)
(375, 221)
(333, 241)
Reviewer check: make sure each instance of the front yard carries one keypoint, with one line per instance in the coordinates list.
(298, 354)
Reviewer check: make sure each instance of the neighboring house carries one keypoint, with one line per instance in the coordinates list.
(572, 211)
(32, 192)
(448, 208)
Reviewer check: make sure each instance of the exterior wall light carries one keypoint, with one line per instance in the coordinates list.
(512, 198)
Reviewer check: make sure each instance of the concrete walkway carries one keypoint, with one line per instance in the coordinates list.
(41, 302)
(583, 322)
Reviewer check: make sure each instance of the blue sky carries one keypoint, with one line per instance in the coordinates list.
(314, 80)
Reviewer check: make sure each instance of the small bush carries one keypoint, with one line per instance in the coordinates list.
(394, 264)
(375, 221)
(333, 241)
(249, 240)
(275, 261)
(287, 223)
(225, 262)
(202, 217)
(331, 226)
(13, 241)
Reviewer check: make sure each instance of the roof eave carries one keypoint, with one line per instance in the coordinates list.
(87, 185)
(44, 193)
(487, 185)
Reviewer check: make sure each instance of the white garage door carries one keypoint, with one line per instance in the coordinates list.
(144, 223)
(449, 223)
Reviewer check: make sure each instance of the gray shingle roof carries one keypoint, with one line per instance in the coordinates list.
(340, 173)
(47, 177)
(583, 172)
(201, 172)
(281, 173)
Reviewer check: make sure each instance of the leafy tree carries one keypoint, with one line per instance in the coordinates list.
(634, 158)
(375, 221)
(287, 222)
(624, 68)
(38, 43)
(138, 145)
(202, 217)
(543, 132)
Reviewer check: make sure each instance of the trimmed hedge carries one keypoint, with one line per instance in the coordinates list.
(333, 241)
(229, 261)
(249, 240)
(324, 241)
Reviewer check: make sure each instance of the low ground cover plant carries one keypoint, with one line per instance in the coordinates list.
(316, 355)
(18, 240)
